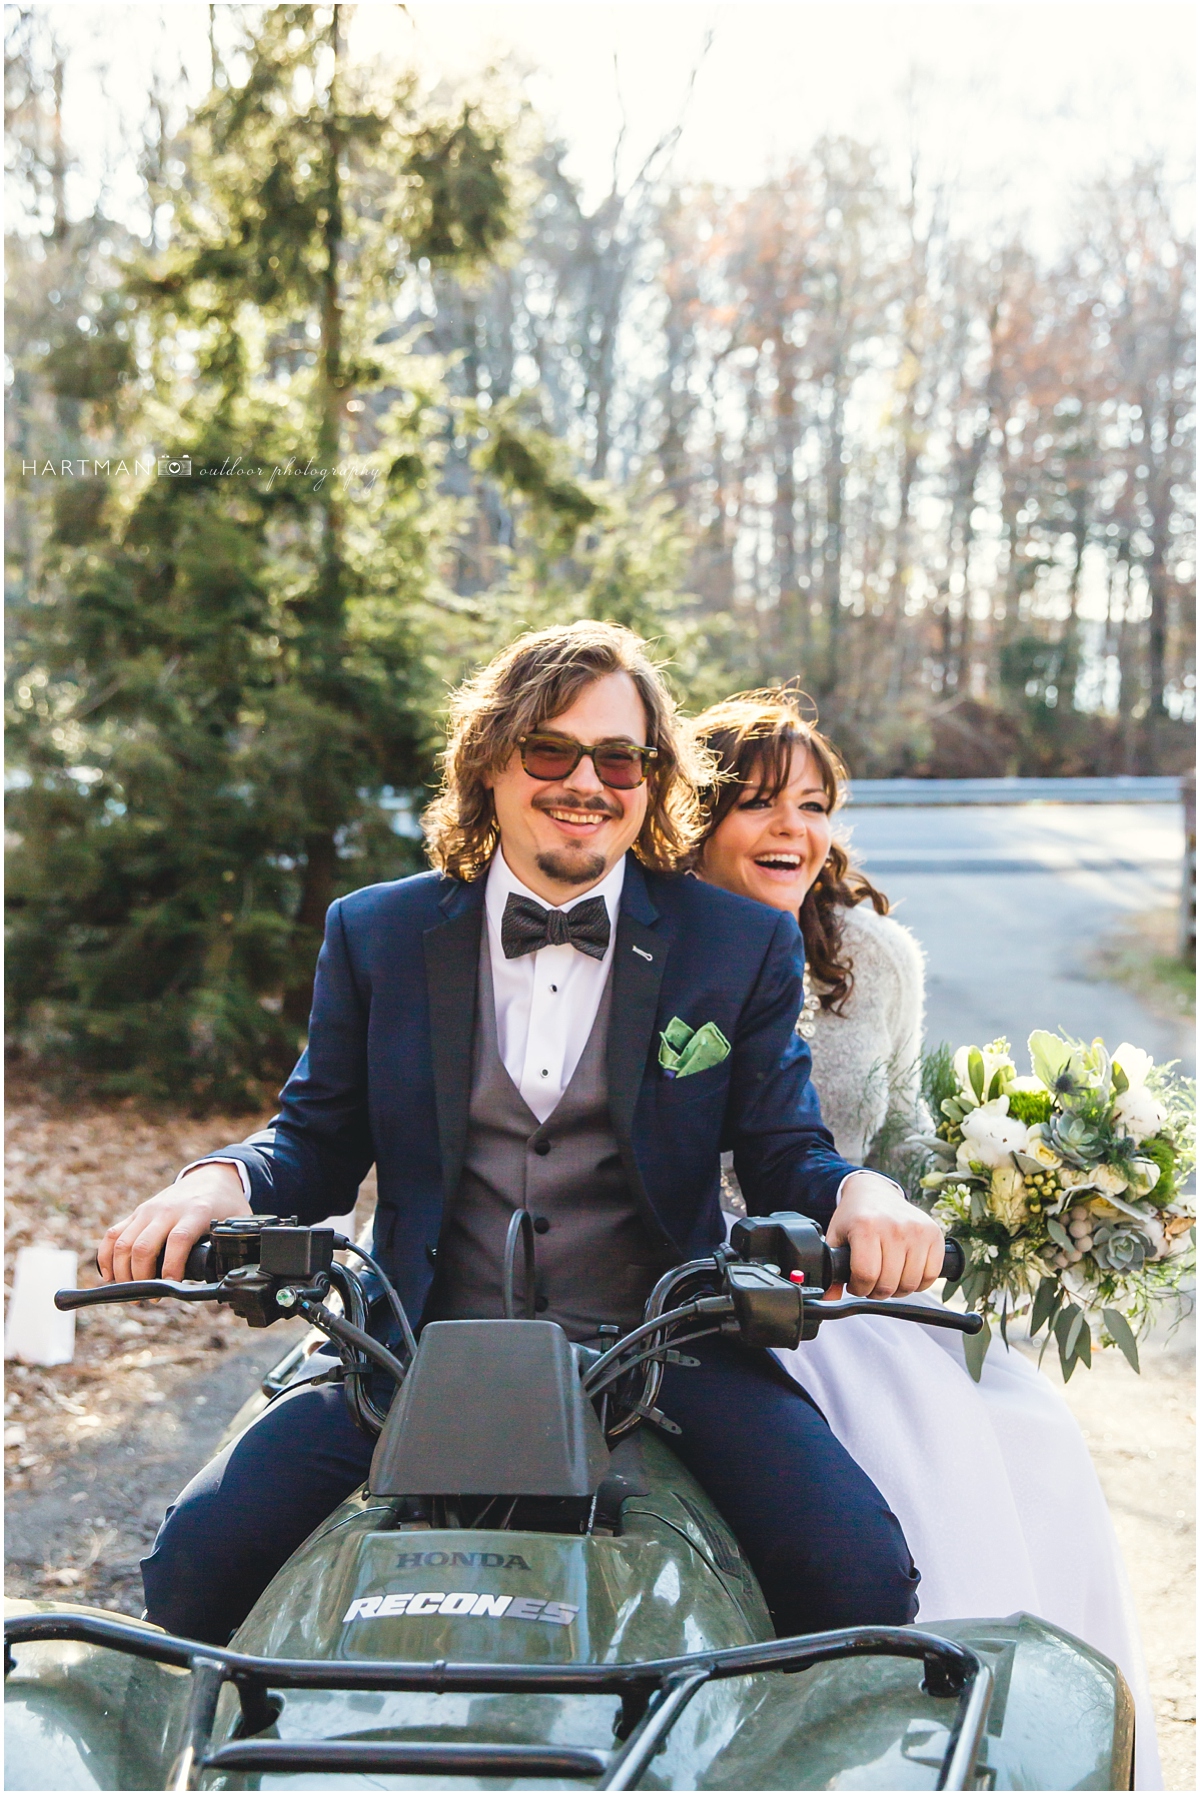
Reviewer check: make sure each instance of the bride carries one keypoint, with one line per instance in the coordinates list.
(992, 1482)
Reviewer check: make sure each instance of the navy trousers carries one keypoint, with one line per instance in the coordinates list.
(822, 1541)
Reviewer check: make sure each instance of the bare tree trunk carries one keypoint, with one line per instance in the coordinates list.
(325, 628)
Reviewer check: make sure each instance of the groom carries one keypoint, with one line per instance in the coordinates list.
(491, 1036)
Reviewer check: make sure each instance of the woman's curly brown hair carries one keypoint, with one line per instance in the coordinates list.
(537, 677)
(753, 736)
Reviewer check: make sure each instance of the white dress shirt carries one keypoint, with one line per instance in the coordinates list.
(546, 1002)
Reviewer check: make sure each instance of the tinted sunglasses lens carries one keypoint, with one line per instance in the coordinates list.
(548, 760)
(620, 768)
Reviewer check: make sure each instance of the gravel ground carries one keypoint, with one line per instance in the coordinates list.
(95, 1450)
(1142, 1436)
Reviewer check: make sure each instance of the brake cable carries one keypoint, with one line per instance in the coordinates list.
(346, 1245)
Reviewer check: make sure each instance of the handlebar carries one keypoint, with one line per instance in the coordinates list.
(767, 1288)
(143, 1290)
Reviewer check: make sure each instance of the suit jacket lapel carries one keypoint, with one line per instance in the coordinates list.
(639, 961)
(451, 978)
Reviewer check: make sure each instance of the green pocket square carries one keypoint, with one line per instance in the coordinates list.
(683, 1050)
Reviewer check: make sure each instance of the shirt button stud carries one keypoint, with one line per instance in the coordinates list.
(545, 1072)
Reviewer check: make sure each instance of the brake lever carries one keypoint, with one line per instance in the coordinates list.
(140, 1291)
(970, 1323)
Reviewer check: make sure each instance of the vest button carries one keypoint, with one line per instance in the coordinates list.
(541, 1148)
(540, 1225)
(542, 1304)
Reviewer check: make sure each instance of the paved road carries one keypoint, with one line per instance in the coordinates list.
(1011, 905)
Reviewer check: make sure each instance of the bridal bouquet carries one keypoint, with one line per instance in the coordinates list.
(1063, 1187)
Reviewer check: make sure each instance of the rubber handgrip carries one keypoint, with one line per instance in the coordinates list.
(953, 1263)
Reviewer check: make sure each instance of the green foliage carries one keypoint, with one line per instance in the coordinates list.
(462, 209)
(938, 1082)
(1165, 1156)
(222, 674)
(1030, 1107)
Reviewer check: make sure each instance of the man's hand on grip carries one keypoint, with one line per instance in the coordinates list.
(175, 1218)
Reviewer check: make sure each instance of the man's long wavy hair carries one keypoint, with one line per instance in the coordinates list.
(753, 737)
(535, 679)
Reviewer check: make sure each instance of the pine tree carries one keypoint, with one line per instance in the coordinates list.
(226, 668)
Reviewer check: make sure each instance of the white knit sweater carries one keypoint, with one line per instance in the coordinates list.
(867, 1063)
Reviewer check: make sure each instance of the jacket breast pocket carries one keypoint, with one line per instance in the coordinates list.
(709, 1086)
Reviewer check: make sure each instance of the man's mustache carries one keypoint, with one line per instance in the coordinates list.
(566, 801)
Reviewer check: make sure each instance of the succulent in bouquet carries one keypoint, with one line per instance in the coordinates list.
(1064, 1186)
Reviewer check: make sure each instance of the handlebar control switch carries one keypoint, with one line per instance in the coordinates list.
(296, 1252)
(769, 1310)
(786, 1239)
(250, 1293)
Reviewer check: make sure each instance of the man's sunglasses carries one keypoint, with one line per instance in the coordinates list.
(620, 765)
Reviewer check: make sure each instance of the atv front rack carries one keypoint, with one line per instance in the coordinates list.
(653, 1695)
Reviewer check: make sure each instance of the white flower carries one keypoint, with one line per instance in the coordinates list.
(1138, 1112)
(990, 1134)
(1008, 1197)
(995, 1059)
(1038, 1148)
(1108, 1181)
(1134, 1062)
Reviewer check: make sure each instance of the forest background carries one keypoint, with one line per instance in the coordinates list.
(365, 381)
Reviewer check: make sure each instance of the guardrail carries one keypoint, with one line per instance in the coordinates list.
(1123, 789)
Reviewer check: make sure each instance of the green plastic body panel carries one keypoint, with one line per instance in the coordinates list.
(671, 1583)
(79, 1717)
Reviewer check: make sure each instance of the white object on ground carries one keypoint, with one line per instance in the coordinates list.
(35, 1331)
(992, 1483)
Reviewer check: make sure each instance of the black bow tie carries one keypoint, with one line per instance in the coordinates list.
(526, 926)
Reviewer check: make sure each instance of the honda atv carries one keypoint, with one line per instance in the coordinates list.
(535, 1594)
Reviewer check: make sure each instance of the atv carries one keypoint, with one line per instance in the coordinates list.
(537, 1594)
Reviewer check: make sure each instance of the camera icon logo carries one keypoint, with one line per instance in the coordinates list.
(174, 464)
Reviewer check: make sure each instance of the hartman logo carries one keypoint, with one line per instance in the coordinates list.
(461, 1603)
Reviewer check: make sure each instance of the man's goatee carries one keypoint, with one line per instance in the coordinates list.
(571, 869)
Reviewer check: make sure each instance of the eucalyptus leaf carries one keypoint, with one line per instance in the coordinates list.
(1122, 1335)
(1065, 1325)
(1049, 1296)
(1083, 1346)
(1068, 1328)
(975, 1349)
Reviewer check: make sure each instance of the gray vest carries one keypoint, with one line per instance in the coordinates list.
(596, 1261)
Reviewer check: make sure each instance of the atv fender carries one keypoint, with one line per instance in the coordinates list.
(80, 1717)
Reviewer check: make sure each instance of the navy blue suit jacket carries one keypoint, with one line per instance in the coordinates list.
(386, 1075)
